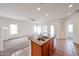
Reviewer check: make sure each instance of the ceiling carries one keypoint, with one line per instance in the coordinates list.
(28, 11)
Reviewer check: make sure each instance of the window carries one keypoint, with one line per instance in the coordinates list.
(70, 28)
(13, 29)
(37, 29)
(44, 28)
(52, 30)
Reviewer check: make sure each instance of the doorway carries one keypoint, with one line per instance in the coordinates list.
(69, 31)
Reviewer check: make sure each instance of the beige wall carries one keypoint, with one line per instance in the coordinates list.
(24, 28)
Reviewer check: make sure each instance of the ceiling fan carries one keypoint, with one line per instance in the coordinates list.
(32, 20)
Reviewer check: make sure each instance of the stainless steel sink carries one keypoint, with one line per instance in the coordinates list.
(42, 38)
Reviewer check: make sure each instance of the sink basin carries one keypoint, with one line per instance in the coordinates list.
(42, 38)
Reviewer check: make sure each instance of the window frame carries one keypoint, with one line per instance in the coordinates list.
(70, 28)
(13, 29)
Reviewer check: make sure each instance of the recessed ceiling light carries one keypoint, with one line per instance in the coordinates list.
(47, 15)
(69, 14)
(70, 6)
(38, 9)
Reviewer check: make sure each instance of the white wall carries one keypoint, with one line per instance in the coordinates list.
(1, 40)
(59, 29)
(75, 19)
(24, 28)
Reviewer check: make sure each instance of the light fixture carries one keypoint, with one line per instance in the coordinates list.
(69, 14)
(47, 15)
(70, 6)
(38, 9)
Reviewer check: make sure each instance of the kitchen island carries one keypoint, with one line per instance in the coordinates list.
(41, 47)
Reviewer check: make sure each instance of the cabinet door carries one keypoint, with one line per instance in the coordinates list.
(50, 47)
(46, 49)
(36, 49)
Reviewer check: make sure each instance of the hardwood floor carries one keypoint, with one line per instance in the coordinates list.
(66, 48)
